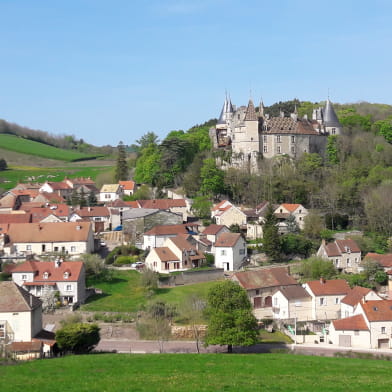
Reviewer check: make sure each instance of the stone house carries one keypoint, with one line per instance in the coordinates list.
(344, 254)
(177, 206)
(285, 210)
(326, 298)
(230, 251)
(99, 216)
(261, 285)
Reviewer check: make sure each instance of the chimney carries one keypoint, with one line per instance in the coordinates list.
(322, 280)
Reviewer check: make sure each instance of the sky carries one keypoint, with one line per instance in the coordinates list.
(110, 71)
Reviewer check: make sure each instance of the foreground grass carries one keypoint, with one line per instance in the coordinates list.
(192, 372)
(30, 147)
(124, 294)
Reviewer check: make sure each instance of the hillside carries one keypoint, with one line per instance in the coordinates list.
(30, 147)
(193, 372)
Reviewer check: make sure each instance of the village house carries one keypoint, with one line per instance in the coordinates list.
(354, 297)
(291, 303)
(225, 213)
(110, 192)
(326, 298)
(128, 187)
(344, 254)
(176, 206)
(67, 278)
(286, 210)
(230, 251)
(50, 213)
(99, 216)
(71, 238)
(261, 285)
(369, 327)
(255, 220)
(177, 254)
(385, 260)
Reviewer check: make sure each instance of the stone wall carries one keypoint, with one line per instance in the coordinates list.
(187, 332)
(191, 277)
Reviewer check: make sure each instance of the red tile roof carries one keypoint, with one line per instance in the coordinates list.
(85, 212)
(338, 247)
(213, 229)
(291, 207)
(57, 186)
(15, 218)
(127, 185)
(165, 254)
(168, 230)
(60, 210)
(162, 204)
(263, 278)
(15, 299)
(221, 205)
(384, 260)
(56, 274)
(227, 239)
(378, 310)
(294, 292)
(355, 295)
(329, 287)
(353, 323)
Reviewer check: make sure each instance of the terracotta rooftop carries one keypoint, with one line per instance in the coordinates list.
(355, 295)
(287, 125)
(165, 254)
(227, 239)
(25, 347)
(92, 211)
(15, 299)
(290, 207)
(329, 287)
(181, 243)
(378, 310)
(55, 274)
(338, 247)
(162, 204)
(58, 186)
(353, 323)
(15, 218)
(49, 232)
(267, 277)
(167, 230)
(222, 205)
(384, 260)
(8, 201)
(127, 185)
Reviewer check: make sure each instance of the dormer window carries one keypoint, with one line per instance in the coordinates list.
(66, 275)
(46, 275)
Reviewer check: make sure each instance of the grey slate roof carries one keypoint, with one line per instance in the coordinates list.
(330, 117)
(139, 213)
(15, 299)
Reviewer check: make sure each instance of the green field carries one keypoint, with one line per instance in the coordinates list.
(30, 147)
(15, 174)
(192, 372)
(124, 294)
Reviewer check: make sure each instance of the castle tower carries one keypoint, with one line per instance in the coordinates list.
(331, 122)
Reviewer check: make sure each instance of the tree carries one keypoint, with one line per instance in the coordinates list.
(202, 207)
(230, 317)
(95, 266)
(314, 224)
(271, 238)
(78, 338)
(148, 139)
(212, 183)
(149, 281)
(121, 173)
(155, 322)
(316, 268)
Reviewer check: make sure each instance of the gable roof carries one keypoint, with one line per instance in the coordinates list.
(294, 292)
(222, 205)
(378, 310)
(290, 207)
(15, 218)
(181, 243)
(165, 254)
(355, 295)
(49, 232)
(58, 186)
(353, 323)
(288, 125)
(110, 188)
(8, 201)
(127, 185)
(84, 212)
(329, 287)
(213, 229)
(338, 247)
(15, 299)
(39, 213)
(227, 239)
(168, 230)
(384, 260)
(266, 277)
(55, 274)
(162, 204)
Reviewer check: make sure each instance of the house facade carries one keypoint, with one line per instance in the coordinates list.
(230, 251)
(344, 254)
(67, 278)
(354, 297)
(297, 211)
(110, 192)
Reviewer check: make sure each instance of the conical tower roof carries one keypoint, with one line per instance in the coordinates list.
(227, 108)
(251, 112)
(329, 116)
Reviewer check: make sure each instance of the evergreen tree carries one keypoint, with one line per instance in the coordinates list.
(92, 199)
(121, 173)
(271, 238)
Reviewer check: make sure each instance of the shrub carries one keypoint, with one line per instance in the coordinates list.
(121, 260)
(78, 338)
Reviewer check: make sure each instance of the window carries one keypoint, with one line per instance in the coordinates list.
(73, 249)
(322, 301)
(56, 248)
(292, 139)
(24, 277)
(242, 251)
(265, 138)
(258, 292)
(348, 261)
(336, 301)
(356, 333)
(337, 262)
(28, 247)
(223, 252)
(265, 148)
(333, 131)
(278, 139)
(292, 149)
(107, 196)
(68, 287)
(356, 260)
(46, 275)
(383, 330)
(298, 303)
(279, 149)
(97, 219)
(66, 275)
(275, 301)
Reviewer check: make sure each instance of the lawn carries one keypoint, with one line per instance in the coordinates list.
(124, 294)
(193, 372)
(30, 147)
(16, 174)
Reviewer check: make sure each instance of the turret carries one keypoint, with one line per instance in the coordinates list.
(331, 122)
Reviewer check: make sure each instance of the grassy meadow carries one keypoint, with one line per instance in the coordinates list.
(124, 293)
(30, 147)
(193, 372)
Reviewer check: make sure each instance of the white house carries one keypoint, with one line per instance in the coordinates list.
(128, 187)
(285, 210)
(98, 215)
(354, 297)
(230, 251)
(72, 238)
(110, 192)
(326, 297)
(344, 254)
(65, 277)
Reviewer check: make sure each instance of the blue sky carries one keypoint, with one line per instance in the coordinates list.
(107, 71)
